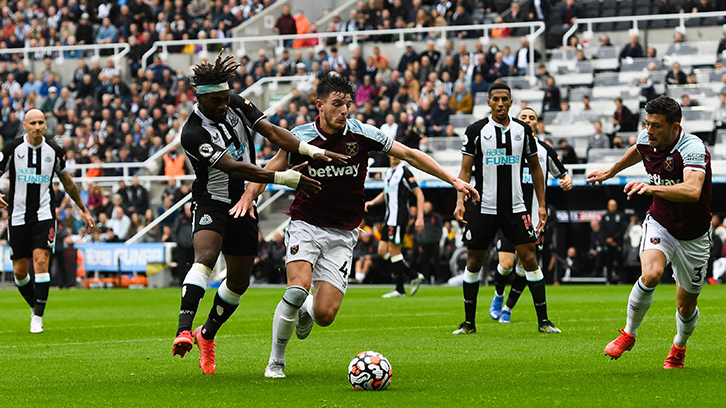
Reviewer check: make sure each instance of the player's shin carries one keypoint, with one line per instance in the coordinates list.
(195, 283)
(686, 326)
(518, 285)
(641, 297)
(27, 290)
(397, 270)
(42, 286)
(471, 291)
(284, 320)
(225, 303)
(500, 279)
(536, 284)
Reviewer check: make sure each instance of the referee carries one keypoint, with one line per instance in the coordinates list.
(31, 162)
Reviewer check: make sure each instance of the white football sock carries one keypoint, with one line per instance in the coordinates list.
(308, 306)
(686, 326)
(641, 297)
(285, 319)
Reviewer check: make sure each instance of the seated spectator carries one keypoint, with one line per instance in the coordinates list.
(567, 154)
(552, 98)
(365, 92)
(119, 223)
(633, 49)
(565, 116)
(497, 69)
(599, 140)
(647, 91)
(461, 101)
(679, 46)
(440, 116)
(687, 102)
(390, 127)
(623, 119)
(461, 18)
(675, 76)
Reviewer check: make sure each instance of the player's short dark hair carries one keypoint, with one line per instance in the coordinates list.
(212, 74)
(664, 105)
(530, 108)
(500, 85)
(331, 82)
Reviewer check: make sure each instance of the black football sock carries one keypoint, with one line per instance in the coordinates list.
(397, 270)
(471, 291)
(225, 303)
(193, 288)
(518, 285)
(27, 290)
(42, 286)
(540, 299)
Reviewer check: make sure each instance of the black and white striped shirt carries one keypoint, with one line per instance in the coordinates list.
(498, 154)
(400, 184)
(206, 141)
(31, 171)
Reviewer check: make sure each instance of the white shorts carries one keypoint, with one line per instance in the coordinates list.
(329, 251)
(689, 259)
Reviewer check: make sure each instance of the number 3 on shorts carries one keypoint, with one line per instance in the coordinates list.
(699, 275)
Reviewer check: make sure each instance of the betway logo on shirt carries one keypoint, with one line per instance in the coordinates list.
(498, 157)
(656, 180)
(333, 171)
(28, 176)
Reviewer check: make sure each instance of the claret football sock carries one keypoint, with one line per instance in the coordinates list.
(27, 290)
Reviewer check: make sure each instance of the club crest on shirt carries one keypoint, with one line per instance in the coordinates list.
(351, 148)
(294, 249)
(518, 136)
(655, 240)
(47, 158)
(232, 119)
(668, 163)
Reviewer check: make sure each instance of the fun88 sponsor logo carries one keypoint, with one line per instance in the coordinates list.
(498, 157)
(27, 175)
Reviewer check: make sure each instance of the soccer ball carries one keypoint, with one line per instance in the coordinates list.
(370, 371)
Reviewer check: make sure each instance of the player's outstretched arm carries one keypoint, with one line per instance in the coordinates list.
(630, 157)
(246, 171)
(687, 192)
(289, 143)
(253, 190)
(420, 199)
(72, 190)
(378, 200)
(423, 162)
(464, 174)
(539, 189)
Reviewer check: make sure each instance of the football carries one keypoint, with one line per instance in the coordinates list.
(370, 371)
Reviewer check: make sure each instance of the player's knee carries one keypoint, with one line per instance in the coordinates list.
(325, 316)
(686, 310)
(20, 275)
(651, 275)
(529, 261)
(238, 287)
(207, 257)
(474, 265)
(506, 264)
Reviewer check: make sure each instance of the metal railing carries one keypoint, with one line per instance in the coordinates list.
(682, 17)
(536, 29)
(119, 50)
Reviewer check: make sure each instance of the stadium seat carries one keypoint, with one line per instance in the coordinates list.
(592, 9)
(625, 9)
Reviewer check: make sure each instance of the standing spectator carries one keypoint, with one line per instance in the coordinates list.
(719, 115)
(552, 99)
(426, 244)
(173, 163)
(595, 251)
(184, 252)
(286, 25)
(461, 18)
(521, 59)
(107, 33)
(613, 224)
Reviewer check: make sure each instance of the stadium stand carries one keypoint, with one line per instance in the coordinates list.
(112, 78)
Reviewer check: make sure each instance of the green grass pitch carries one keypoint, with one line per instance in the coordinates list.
(113, 348)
